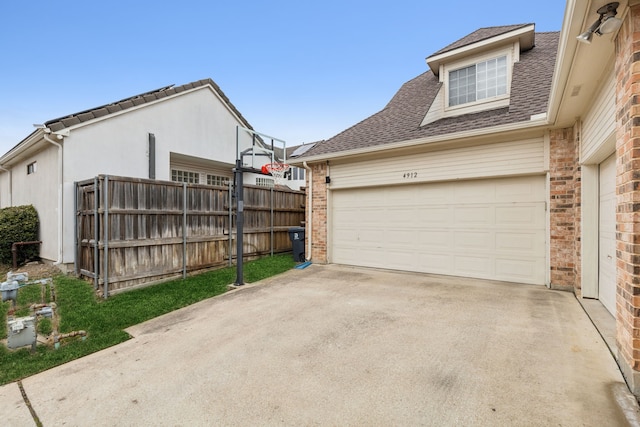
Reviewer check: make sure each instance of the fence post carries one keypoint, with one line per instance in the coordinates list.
(230, 223)
(239, 223)
(76, 233)
(96, 234)
(271, 240)
(105, 282)
(184, 230)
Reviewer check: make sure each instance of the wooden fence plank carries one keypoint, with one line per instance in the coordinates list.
(146, 230)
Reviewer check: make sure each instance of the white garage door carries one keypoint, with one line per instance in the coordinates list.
(607, 235)
(492, 228)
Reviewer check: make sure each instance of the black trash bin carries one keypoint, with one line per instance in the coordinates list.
(296, 235)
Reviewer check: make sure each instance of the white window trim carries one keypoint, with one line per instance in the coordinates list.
(265, 182)
(483, 104)
(186, 172)
(218, 180)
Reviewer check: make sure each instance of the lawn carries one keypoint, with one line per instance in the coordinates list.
(78, 308)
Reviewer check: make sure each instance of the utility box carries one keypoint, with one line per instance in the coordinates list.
(22, 332)
(296, 234)
(9, 290)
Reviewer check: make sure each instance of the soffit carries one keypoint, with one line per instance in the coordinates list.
(584, 66)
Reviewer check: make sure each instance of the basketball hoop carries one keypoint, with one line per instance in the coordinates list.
(277, 170)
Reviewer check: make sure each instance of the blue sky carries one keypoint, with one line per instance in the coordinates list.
(298, 71)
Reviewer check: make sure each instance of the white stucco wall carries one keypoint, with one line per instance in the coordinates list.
(195, 123)
(5, 199)
(40, 189)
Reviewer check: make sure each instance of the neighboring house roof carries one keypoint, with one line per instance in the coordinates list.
(400, 120)
(478, 36)
(133, 101)
(299, 150)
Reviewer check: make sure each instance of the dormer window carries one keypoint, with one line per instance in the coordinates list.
(483, 80)
(475, 72)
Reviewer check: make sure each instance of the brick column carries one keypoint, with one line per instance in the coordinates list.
(628, 198)
(564, 210)
(318, 212)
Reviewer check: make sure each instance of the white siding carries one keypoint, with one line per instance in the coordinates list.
(599, 123)
(500, 159)
(436, 111)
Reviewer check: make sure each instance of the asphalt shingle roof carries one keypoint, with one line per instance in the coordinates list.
(478, 36)
(401, 118)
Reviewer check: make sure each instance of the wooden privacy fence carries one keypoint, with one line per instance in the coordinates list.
(133, 231)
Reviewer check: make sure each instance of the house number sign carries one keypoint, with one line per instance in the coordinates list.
(410, 175)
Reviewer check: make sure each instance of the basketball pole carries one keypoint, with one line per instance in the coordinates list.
(238, 175)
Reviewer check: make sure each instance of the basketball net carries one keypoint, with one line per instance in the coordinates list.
(277, 171)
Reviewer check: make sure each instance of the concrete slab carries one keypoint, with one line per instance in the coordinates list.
(13, 409)
(332, 345)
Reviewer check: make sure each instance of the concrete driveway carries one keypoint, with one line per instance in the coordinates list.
(333, 345)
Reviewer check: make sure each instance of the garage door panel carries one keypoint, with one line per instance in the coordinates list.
(431, 215)
(401, 238)
(474, 215)
(473, 193)
(430, 239)
(520, 214)
(524, 243)
(474, 240)
(517, 269)
(518, 192)
(439, 196)
(492, 228)
(436, 262)
(401, 216)
(473, 266)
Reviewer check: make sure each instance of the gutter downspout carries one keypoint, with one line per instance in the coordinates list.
(10, 184)
(309, 225)
(60, 193)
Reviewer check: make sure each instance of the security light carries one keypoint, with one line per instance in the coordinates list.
(607, 23)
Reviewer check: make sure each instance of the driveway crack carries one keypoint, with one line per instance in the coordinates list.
(28, 403)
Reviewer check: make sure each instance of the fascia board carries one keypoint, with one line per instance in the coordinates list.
(434, 61)
(450, 137)
(32, 140)
(574, 17)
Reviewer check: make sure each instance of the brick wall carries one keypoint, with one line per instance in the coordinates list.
(319, 214)
(628, 197)
(564, 210)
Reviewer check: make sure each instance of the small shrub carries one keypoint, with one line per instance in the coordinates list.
(18, 224)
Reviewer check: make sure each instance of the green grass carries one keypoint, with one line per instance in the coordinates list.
(78, 308)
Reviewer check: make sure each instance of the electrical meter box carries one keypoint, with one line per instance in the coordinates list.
(22, 332)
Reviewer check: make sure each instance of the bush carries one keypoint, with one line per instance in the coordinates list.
(18, 224)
